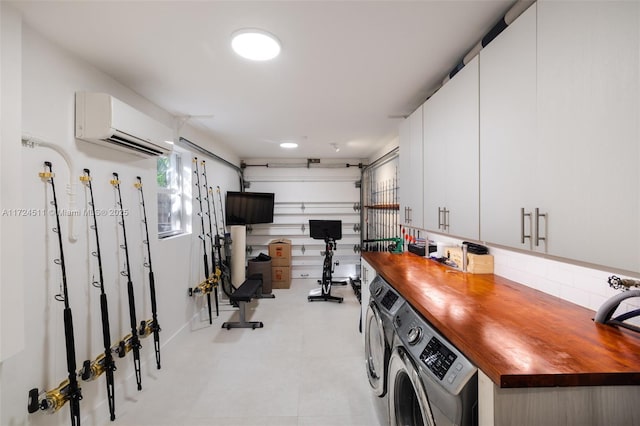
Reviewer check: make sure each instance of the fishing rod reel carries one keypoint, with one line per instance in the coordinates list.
(52, 400)
(91, 370)
(215, 277)
(205, 287)
(126, 345)
(622, 283)
(147, 327)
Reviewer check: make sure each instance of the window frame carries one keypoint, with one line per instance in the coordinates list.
(176, 191)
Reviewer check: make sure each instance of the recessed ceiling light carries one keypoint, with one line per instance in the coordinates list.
(288, 145)
(255, 44)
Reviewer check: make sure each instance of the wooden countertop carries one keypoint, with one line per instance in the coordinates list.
(518, 336)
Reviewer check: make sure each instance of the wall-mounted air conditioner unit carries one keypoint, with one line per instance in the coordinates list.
(107, 121)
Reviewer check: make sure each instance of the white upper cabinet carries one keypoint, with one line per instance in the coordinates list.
(410, 174)
(588, 129)
(451, 167)
(557, 102)
(509, 157)
(559, 133)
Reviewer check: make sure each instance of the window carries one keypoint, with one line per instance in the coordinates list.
(171, 217)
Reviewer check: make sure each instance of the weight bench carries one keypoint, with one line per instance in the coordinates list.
(252, 287)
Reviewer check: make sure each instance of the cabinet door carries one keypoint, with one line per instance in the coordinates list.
(588, 96)
(410, 174)
(451, 155)
(462, 174)
(435, 128)
(508, 152)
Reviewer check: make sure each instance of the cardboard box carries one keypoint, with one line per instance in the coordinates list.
(476, 263)
(280, 276)
(280, 252)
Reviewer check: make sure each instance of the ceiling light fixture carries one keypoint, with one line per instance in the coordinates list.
(288, 145)
(335, 147)
(255, 44)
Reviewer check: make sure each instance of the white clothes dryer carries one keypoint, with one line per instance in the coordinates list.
(379, 332)
(430, 382)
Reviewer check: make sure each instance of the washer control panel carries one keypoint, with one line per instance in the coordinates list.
(389, 299)
(436, 356)
(382, 292)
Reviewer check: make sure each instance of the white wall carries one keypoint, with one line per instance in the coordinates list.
(49, 77)
(387, 172)
(11, 295)
(292, 184)
(575, 283)
(327, 193)
(578, 284)
(393, 143)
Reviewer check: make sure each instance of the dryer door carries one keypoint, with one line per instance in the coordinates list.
(408, 400)
(376, 351)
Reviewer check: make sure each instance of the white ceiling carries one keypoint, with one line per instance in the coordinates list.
(345, 66)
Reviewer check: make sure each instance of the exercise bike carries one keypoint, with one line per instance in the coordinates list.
(330, 231)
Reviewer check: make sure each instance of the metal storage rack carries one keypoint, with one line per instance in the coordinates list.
(380, 206)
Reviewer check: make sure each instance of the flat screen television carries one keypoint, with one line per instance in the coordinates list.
(248, 208)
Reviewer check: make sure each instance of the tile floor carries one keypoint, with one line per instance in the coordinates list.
(305, 367)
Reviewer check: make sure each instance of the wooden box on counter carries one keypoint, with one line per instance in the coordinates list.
(476, 263)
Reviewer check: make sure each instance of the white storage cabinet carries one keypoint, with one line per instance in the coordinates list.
(451, 158)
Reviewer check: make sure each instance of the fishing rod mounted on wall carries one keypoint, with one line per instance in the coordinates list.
(135, 342)
(104, 362)
(68, 390)
(205, 287)
(155, 327)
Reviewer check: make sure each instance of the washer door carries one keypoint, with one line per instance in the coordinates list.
(408, 400)
(376, 351)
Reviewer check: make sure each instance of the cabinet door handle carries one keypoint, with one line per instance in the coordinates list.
(443, 218)
(446, 218)
(538, 237)
(522, 216)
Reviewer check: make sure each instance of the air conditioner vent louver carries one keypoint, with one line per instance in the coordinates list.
(118, 141)
(105, 120)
